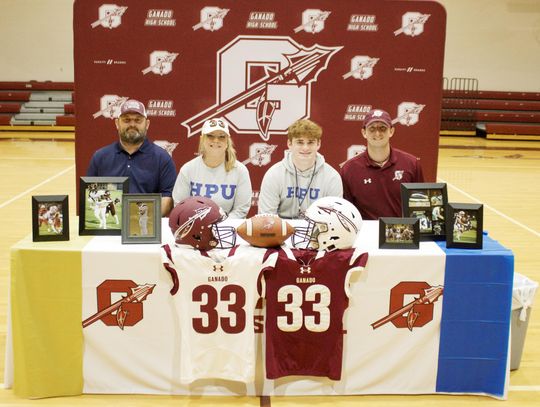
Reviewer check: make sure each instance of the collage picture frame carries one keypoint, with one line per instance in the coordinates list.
(464, 223)
(399, 233)
(141, 218)
(427, 202)
(100, 205)
(50, 218)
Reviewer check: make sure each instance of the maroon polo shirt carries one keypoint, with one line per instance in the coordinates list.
(374, 190)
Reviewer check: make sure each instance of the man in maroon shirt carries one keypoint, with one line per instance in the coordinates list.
(372, 180)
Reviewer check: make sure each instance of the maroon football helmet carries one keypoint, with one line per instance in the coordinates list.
(194, 220)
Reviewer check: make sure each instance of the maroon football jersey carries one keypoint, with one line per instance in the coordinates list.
(306, 295)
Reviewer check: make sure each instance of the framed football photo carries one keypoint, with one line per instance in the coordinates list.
(50, 218)
(399, 233)
(100, 205)
(464, 225)
(426, 201)
(141, 221)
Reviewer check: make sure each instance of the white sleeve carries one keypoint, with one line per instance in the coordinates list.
(335, 184)
(269, 195)
(242, 199)
(181, 188)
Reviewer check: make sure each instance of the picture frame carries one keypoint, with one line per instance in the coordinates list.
(141, 221)
(427, 202)
(464, 225)
(399, 233)
(100, 205)
(50, 218)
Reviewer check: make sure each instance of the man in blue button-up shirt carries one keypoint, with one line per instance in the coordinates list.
(149, 167)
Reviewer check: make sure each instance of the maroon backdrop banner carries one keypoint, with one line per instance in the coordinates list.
(261, 65)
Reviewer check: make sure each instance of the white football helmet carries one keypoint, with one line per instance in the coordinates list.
(333, 223)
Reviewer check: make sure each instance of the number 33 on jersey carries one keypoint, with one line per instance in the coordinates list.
(215, 294)
(307, 293)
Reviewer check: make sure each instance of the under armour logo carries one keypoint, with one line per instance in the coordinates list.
(305, 269)
(217, 268)
(367, 180)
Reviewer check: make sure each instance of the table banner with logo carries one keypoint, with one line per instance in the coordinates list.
(141, 354)
(425, 321)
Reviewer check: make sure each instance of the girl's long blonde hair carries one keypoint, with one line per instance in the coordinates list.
(230, 152)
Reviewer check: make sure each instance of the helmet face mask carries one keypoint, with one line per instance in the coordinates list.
(333, 223)
(225, 236)
(193, 221)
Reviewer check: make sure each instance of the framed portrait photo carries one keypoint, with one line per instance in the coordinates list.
(50, 218)
(141, 221)
(399, 233)
(464, 225)
(426, 201)
(100, 205)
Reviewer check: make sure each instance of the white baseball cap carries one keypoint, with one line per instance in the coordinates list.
(216, 124)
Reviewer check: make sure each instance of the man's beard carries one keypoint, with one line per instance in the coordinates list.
(132, 136)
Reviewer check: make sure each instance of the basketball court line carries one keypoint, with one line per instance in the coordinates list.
(38, 158)
(508, 218)
(2, 205)
(523, 388)
(493, 148)
(265, 401)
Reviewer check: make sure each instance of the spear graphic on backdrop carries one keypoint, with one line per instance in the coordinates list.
(370, 63)
(138, 294)
(265, 150)
(304, 67)
(117, 12)
(111, 107)
(406, 116)
(211, 19)
(166, 59)
(323, 15)
(421, 19)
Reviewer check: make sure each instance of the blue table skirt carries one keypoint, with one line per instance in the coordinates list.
(475, 325)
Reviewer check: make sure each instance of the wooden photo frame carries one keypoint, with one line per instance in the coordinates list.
(427, 202)
(50, 218)
(141, 218)
(464, 225)
(399, 233)
(100, 205)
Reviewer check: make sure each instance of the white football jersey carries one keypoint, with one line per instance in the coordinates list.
(215, 294)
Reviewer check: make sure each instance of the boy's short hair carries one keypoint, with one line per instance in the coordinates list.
(304, 128)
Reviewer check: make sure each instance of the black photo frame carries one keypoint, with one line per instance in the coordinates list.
(100, 205)
(427, 202)
(141, 218)
(464, 225)
(50, 218)
(399, 233)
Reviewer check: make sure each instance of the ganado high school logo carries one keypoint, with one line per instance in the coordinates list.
(109, 16)
(264, 84)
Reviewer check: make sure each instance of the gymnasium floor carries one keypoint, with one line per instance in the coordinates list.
(503, 175)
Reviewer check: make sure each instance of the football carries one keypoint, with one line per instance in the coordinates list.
(265, 230)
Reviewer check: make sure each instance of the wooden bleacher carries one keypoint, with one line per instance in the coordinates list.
(37, 106)
(467, 111)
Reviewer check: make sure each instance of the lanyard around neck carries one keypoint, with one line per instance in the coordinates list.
(301, 201)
